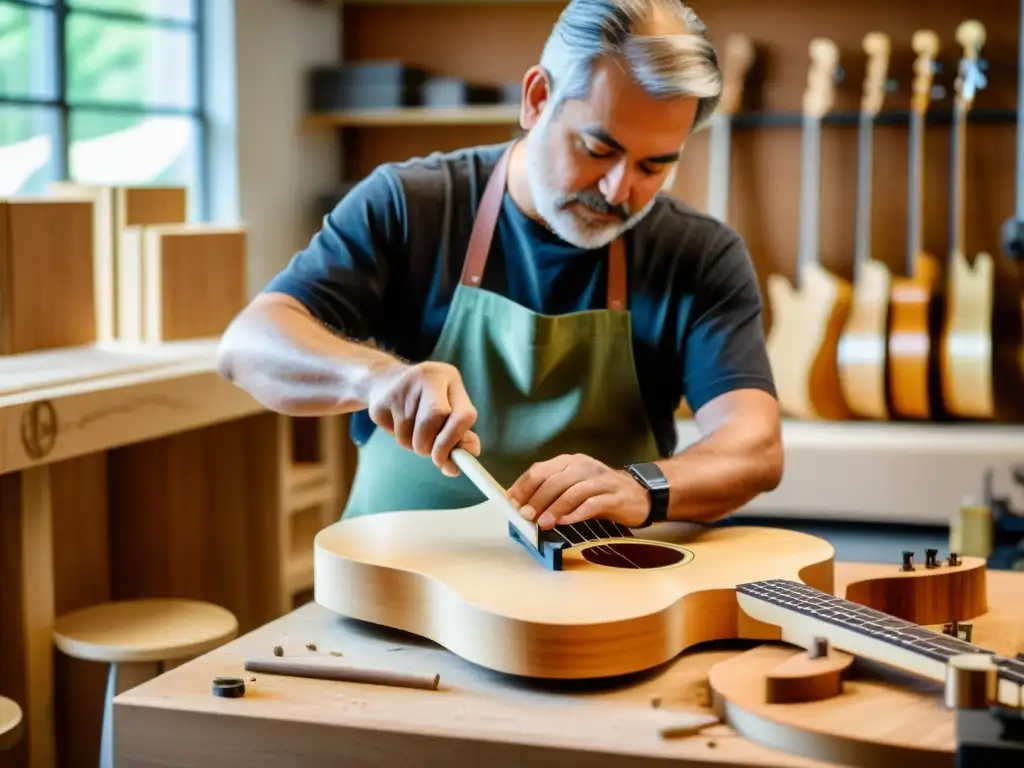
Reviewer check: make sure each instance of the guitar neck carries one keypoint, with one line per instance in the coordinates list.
(862, 247)
(915, 189)
(804, 612)
(957, 175)
(810, 186)
(718, 166)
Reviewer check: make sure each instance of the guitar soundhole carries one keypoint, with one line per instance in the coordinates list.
(633, 555)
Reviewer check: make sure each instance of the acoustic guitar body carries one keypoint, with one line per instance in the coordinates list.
(912, 354)
(456, 577)
(863, 352)
(966, 349)
(803, 343)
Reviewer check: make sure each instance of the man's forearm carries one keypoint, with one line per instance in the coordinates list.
(290, 363)
(722, 472)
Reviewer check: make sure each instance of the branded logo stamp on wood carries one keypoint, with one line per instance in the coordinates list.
(39, 429)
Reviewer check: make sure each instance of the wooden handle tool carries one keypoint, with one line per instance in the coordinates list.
(320, 669)
(492, 489)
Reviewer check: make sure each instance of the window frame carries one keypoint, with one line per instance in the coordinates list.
(61, 9)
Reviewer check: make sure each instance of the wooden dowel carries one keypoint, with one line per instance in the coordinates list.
(324, 670)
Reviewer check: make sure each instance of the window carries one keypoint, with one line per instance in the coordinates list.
(101, 92)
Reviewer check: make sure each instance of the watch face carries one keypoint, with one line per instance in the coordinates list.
(650, 474)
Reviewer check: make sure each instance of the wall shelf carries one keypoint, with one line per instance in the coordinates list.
(509, 115)
(500, 114)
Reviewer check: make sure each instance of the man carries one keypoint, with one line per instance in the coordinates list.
(540, 304)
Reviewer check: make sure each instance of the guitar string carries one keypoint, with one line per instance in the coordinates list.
(583, 538)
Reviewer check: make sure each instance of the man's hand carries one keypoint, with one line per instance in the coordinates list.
(572, 488)
(426, 407)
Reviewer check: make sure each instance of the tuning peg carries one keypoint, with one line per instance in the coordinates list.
(930, 560)
(938, 92)
(892, 85)
(908, 560)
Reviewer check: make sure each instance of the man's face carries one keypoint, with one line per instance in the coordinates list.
(594, 168)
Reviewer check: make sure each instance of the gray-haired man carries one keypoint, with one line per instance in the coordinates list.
(541, 303)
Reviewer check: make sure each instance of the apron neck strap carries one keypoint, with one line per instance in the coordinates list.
(484, 224)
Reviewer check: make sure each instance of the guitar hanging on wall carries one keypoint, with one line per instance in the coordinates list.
(981, 333)
(913, 318)
(738, 56)
(807, 318)
(862, 345)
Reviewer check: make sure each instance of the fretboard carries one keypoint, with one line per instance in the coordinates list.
(880, 627)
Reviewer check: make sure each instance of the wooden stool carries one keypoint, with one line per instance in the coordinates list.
(10, 723)
(136, 638)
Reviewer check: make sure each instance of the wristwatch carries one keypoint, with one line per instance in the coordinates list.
(651, 477)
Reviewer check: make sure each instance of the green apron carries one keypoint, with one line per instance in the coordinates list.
(542, 385)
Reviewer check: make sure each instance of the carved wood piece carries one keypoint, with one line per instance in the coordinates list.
(803, 678)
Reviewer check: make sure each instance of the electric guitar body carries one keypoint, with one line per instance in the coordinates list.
(914, 304)
(807, 318)
(862, 352)
(803, 343)
(618, 605)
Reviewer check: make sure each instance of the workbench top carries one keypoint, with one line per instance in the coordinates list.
(476, 717)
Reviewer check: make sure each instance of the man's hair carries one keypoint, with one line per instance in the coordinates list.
(664, 65)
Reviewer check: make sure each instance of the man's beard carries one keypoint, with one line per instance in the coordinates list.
(557, 210)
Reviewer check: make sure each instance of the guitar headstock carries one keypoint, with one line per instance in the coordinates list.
(925, 44)
(822, 76)
(970, 35)
(877, 46)
(739, 55)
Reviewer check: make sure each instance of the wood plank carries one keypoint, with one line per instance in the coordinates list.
(60, 422)
(46, 259)
(199, 515)
(30, 371)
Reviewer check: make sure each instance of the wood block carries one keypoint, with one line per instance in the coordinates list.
(117, 208)
(180, 281)
(803, 678)
(47, 298)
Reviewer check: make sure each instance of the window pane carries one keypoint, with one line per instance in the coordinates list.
(28, 46)
(120, 62)
(28, 149)
(119, 148)
(168, 9)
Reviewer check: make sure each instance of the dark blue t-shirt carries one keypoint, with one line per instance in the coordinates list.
(386, 261)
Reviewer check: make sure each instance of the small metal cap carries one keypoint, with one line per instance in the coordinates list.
(970, 681)
(229, 687)
(819, 648)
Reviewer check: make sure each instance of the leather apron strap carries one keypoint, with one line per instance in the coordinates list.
(482, 236)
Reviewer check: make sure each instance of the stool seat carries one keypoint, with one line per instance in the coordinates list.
(10, 723)
(147, 630)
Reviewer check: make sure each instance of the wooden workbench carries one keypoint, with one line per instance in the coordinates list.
(475, 718)
(137, 471)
